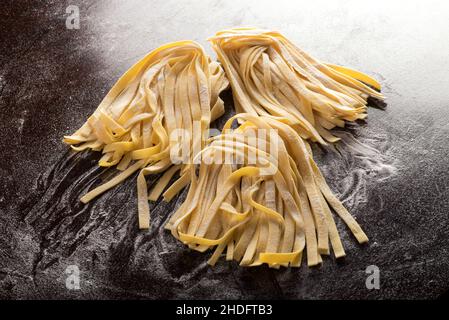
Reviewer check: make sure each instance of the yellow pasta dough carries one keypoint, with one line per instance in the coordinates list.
(267, 205)
(269, 75)
(174, 87)
(255, 192)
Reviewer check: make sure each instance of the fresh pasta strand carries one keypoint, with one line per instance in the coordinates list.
(254, 197)
(174, 87)
(267, 205)
(269, 75)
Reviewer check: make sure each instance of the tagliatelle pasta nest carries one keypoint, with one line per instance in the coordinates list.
(265, 204)
(255, 192)
(175, 86)
(269, 75)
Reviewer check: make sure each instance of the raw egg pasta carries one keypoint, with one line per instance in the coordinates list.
(269, 75)
(174, 87)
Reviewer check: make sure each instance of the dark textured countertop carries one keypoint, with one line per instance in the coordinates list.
(391, 171)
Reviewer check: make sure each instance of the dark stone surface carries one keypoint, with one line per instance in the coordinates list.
(391, 172)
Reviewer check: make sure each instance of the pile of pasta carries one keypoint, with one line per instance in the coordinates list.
(261, 198)
(269, 75)
(264, 204)
(175, 86)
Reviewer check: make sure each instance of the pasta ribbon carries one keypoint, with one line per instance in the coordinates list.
(261, 197)
(261, 216)
(269, 75)
(176, 86)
